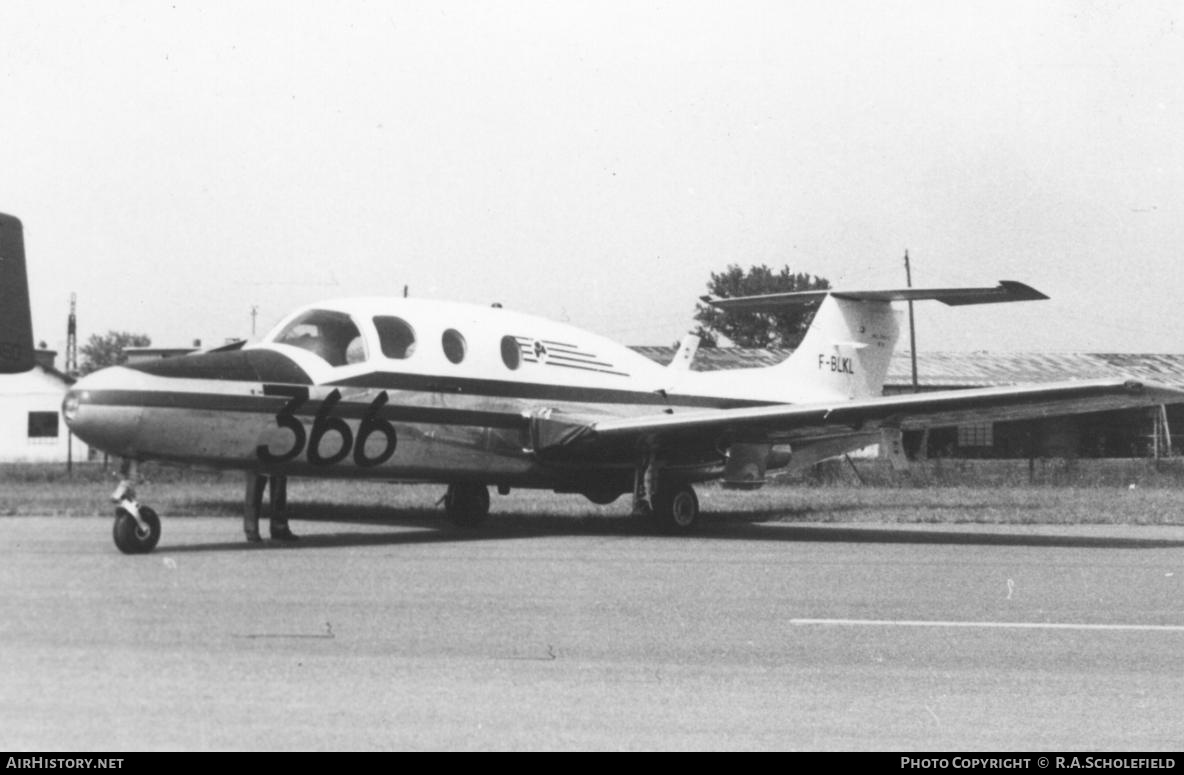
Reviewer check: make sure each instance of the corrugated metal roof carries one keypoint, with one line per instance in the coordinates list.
(988, 369)
(718, 358)
(962, 369)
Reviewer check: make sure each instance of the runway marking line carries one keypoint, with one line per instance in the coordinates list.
(996, 625)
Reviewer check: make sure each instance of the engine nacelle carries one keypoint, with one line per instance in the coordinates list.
(748, 462)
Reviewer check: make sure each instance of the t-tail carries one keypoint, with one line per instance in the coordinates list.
(847, 349)
(16, 323)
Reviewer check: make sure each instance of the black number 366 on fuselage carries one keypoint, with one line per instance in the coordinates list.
(312, 444)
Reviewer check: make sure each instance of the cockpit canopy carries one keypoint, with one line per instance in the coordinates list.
(446, 339)
(331, 336)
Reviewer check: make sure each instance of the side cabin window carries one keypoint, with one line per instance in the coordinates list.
(331, 336)
(511, 353)
(454, 345)
(396, 336)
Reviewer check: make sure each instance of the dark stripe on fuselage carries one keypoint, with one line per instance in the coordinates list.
(269, 405)
(533, 391)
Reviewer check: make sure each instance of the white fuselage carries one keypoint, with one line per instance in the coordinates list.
(399, 389)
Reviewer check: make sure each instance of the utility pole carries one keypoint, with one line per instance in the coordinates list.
(908, 276)
(72, 338)
(254, 314)
(71, 370)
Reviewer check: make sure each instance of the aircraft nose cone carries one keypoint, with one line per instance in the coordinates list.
(104, 418)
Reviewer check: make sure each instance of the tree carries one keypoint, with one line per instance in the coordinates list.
(756, 329)
(100, 352)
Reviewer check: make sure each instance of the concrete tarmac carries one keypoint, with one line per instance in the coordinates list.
(570, 634)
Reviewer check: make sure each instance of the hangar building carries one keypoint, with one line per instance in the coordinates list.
(32, 429)
(1128, 433)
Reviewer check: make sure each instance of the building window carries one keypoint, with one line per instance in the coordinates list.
(43, 425)
(976, 435)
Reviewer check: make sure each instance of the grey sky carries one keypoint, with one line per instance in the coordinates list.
(177, 163)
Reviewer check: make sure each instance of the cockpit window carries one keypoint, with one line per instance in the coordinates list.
(331, 336)
(396, 336)
(356, 352)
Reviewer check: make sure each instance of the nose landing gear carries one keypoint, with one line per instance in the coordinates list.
(137, 528)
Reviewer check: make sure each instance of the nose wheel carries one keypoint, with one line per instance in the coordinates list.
(136, 536)
(137, 528)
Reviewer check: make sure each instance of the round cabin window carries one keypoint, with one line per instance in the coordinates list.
(511, 353)
(454, 345)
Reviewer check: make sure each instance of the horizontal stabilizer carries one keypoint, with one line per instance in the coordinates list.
(1006, 290)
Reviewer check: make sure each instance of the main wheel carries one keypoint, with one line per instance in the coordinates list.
(602, 496)
(676, 507)
(467, 505)
(130, 537)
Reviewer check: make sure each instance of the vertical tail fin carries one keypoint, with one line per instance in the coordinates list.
(846, 351)
(16, 322)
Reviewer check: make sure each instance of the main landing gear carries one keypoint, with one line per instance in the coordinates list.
(137, 528)
(467, 505)
(675, 507)
(667, 500)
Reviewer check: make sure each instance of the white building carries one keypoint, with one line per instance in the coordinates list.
(32, 429)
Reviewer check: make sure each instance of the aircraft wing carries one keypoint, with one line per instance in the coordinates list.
(563, 439)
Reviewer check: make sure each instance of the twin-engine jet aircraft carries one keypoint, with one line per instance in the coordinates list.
(475, 397)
